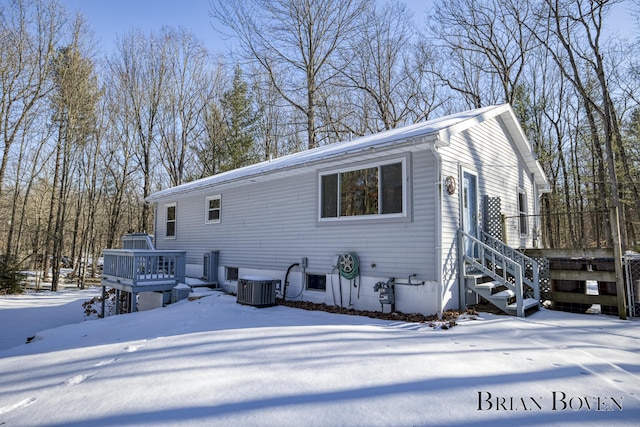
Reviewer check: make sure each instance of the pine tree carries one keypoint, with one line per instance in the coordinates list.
(241, 124)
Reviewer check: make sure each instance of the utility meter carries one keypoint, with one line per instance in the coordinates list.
(386, 295)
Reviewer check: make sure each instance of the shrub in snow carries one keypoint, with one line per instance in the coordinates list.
(93, 307)
(11, 278)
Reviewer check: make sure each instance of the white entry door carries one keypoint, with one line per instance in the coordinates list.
(469, 195)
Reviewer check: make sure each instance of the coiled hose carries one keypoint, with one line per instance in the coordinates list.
(349, 265)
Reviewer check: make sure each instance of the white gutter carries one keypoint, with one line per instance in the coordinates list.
(291, 164)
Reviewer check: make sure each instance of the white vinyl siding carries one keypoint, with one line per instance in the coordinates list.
(270, 225)
(487, 150)
(275, 212)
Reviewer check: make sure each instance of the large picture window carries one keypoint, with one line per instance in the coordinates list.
(170, 220)
(369, 191)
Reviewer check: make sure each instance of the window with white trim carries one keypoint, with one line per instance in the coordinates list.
(371, 191)
(170, 220)
(523, 217)
(212, 209)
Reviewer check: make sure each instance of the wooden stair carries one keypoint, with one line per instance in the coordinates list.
(501, 275)
(499, 295)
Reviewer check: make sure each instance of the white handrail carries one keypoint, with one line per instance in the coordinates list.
(509, 266)
(522, 259)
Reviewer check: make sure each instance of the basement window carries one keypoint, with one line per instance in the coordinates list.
(365, 192)
(316, 282)
(170, 220)
(231, 273)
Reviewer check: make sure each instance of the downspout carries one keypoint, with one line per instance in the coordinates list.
(535, 235)
(438, 216)
(155, 225)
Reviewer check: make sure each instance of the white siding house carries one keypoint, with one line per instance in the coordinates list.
(394, 200)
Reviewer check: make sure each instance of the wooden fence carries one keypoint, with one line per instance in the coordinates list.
(570, 277)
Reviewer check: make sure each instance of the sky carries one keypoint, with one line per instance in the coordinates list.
(212, 362)
(111, 19)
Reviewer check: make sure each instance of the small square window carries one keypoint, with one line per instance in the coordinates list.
(212, 209)
(316, 282)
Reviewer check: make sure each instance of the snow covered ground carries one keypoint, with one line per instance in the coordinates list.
(214, 362)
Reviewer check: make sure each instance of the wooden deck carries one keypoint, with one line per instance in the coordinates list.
(141, 270)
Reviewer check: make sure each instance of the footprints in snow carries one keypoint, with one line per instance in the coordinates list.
(80, 378)
(582, 370)
(25, 402)
(77, 379)
(73, 381)
(132, 348)
(106, 362)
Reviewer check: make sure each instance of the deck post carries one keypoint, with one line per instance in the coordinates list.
(617, 260)
(133, 306)
(104, 296)
(462, 285)
(519, 291)
(117, 301)
(536, 281)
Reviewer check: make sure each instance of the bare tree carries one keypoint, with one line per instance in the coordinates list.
(378, 64)
(295, 42)
(573, 41)
(183, 103)
(29, 32)
(73, 100)
(488, 44)
(32, 158)
(89, 201)
(273, 127)
(139, 66)
(117, 158)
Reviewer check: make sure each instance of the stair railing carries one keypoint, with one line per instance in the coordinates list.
(489, 261)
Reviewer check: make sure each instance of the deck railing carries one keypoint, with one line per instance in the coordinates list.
(141, 266)
(495, 264)
(137, 241)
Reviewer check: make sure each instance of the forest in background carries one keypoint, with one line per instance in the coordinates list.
(86, 137)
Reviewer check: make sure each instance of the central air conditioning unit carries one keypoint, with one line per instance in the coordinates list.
(257, 291)
(210, 266)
